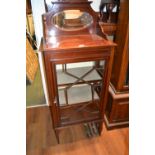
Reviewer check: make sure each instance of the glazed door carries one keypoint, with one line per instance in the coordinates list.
(79, 90)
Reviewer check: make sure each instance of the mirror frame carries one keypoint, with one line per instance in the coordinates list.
(71, 29)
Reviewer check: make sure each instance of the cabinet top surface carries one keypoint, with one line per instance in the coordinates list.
(75, 42)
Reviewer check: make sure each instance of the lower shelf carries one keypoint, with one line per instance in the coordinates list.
(79, 113)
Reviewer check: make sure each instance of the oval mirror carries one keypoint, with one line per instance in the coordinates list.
(71, 20)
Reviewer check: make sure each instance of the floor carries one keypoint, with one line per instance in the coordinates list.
(41, 140)
(34, 91)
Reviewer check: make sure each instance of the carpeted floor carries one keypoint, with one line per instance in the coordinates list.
(34, 91)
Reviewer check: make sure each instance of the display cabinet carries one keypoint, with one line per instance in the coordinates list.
(117, 108)
(78, 64)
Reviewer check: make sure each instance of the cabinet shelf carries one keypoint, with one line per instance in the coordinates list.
(79, 113)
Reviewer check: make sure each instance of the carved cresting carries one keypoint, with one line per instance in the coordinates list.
(49, 3)
(109, 10)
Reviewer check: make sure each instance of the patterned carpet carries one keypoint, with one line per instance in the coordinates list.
(34, 91)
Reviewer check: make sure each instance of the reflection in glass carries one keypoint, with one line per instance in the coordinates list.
(127, 77)
(79, 82)
(70, 20)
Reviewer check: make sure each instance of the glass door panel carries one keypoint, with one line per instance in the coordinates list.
(79, 87)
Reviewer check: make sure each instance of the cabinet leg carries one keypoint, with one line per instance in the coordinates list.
(100, 127)
(57, 135)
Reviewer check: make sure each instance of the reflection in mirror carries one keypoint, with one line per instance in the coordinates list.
(71, 20)
(110, 37)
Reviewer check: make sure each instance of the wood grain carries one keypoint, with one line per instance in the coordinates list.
(121, 57)
(117, 109)
(40, 138)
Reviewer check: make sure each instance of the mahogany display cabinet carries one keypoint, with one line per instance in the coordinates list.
(78, 62)
(114, 20)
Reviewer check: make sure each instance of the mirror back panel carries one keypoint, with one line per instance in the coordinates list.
(68, 18)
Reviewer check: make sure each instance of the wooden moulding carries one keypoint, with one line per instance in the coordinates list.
(111, 126)
(108, 28)
(117, 110)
